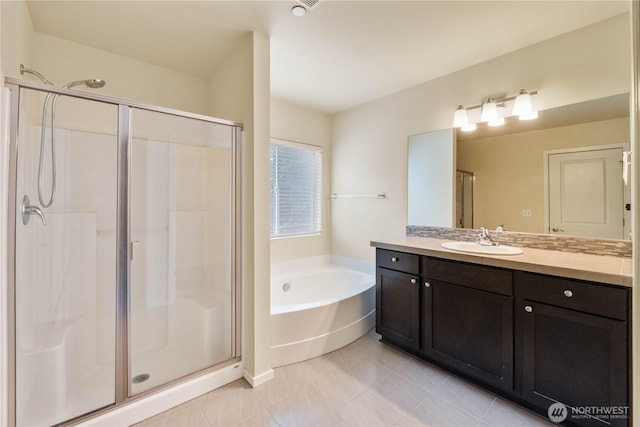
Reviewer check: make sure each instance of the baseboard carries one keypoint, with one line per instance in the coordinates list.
(259, 379)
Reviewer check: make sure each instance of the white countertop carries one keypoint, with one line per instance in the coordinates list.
(596, 268)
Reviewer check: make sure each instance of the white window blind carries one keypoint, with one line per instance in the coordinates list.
(296, 189)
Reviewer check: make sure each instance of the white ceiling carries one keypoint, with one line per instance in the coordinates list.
(339, 55)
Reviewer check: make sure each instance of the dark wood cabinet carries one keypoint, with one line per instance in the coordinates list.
(467, 322)
(470, 331)
(533, 338)
(571, 353)
(398, 303)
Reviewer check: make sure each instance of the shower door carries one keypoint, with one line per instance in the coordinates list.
(181, 307)
(64, 259)
(122, 255)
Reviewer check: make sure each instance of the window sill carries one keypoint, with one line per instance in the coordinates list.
(293, 236)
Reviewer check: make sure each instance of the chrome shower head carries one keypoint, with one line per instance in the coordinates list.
(91, 83)
(35, 73)
(95, 83)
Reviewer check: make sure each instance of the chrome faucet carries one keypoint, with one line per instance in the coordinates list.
(484, 238)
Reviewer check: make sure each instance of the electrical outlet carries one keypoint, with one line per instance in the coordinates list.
(526, 213)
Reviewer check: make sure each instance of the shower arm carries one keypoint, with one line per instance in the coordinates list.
(35, 73)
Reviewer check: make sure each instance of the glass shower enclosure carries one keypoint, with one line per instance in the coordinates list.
(128, 280)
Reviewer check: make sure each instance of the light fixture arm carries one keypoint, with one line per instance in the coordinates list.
(499, 101)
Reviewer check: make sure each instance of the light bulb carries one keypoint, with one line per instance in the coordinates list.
(532, 115)
(522, 104)
(496, 122)
(469, 127)
(489, 111)
(460, 117)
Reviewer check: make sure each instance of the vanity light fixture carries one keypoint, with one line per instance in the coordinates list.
(489, 112)
(469, 127)
(498, 121)
(522, 104)
(460, 118)
(491, 109)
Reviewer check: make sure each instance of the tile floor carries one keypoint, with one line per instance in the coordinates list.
(363, 384)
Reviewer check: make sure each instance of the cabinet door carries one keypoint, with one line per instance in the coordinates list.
(397, 308)
(470, 331)
(574, 358)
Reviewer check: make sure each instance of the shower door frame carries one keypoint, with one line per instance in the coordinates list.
(123, 239)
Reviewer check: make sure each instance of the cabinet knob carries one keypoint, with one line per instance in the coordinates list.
(414, 281)
(568, 293)
(394, 259)
(427, 284)
(528, 308)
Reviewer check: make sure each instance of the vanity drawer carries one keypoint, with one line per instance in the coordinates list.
(400, 261)
(576, 295)
(470, 275)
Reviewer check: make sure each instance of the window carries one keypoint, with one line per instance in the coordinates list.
(296, 189)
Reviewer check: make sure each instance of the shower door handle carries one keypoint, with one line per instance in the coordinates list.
(131, 246)
(27, 210)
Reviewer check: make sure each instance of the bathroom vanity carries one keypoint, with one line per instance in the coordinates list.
(537, 328)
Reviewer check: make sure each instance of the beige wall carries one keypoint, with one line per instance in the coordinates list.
(240, 88)
(300, 124)
(369, 144)
(509, 170)
(17, 36)
(62, 61)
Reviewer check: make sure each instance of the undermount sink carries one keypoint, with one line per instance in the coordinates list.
(475, 248)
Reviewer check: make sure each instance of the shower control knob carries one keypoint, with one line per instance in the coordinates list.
(27, 210)
(427, 284)
(528, 308)
(395, 259)
(414, 281)
(568, 293)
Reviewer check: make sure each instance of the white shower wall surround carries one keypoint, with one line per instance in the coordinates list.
(185, 302)
(182, 308)
(71, 305)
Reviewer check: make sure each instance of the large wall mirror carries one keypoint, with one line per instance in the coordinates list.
(560, 174)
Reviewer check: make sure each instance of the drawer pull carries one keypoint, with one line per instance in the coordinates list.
(414, 281)
(395, 259)
(568, 293)
(427, 284)
(528, 308)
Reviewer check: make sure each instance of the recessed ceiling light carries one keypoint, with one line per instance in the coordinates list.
(298, 10)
